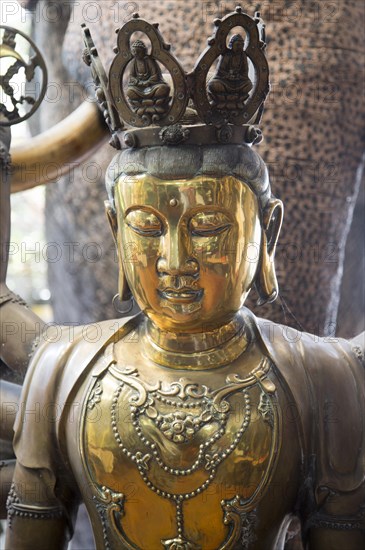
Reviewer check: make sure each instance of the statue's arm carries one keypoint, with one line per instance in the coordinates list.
(339, 522)
(20, 327)
(37, 516)
(21, 330)
(320, 539)
(44, 496)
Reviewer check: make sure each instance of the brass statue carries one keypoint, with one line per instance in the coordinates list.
(193, 424)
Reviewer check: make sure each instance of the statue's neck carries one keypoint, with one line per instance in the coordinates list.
(203, 350)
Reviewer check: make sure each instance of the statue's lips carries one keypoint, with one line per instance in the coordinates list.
(182, 296)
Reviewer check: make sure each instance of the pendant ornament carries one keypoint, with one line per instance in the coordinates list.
(179, 410)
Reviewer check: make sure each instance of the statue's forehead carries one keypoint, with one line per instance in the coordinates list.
(202, 190)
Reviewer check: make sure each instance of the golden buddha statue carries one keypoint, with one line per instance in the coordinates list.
(192, 424)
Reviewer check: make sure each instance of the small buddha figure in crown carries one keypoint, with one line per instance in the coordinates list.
(231, 85)
(147, 92)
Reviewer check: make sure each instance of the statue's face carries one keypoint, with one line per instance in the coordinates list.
(238, 45)
(139, 52)
(189, 248)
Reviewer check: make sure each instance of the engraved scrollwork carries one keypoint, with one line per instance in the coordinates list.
(180, 543)
(95, 396)
(110, 506)
(265, 409)
(242, 522)
(179, 409)
(235, 383)
(184, 389)
(129, 376)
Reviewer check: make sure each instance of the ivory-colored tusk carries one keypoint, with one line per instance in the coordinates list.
(49, 155)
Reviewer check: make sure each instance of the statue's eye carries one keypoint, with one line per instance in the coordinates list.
(207, 224)
(144, 223)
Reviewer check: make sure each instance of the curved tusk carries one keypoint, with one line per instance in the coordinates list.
(49, 155)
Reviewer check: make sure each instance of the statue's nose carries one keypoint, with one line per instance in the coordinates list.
(176, 258)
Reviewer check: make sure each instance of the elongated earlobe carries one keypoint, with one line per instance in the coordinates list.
(123, 288)
(266, 282)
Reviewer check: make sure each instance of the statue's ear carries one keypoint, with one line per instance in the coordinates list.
(123, 288)
(112, 219)
(266, 282)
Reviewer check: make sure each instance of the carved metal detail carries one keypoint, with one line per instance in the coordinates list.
(102, 94)
(242, 522)
(322, 521)
(146, 99)
(179, 410)
(95, 396)
(142, 95)
(147, 92)
(227, 97)
(16, 509)
(174, 135)
(179, 543)
(5, 158)
(110, 508)
(359, 354)
(265, 409)
(17, 95)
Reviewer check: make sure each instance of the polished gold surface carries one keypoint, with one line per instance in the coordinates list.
(190, 249)
(178, 454)
(48, 156)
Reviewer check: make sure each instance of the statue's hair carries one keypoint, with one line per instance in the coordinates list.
(138, 44)
(236, 38)
(188, 162)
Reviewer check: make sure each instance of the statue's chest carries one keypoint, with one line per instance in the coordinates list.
(180, 459)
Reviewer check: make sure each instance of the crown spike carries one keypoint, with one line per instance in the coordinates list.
(135, 15)
(238, 9)
(217, 22)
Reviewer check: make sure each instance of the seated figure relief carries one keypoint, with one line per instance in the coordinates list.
(231, 85)
(147, 91)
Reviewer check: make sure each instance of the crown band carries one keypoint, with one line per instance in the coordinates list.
(191, 135)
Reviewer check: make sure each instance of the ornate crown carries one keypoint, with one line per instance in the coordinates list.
(220, 101)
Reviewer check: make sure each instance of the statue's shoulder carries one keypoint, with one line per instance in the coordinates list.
(62, 356)
(326, 381)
